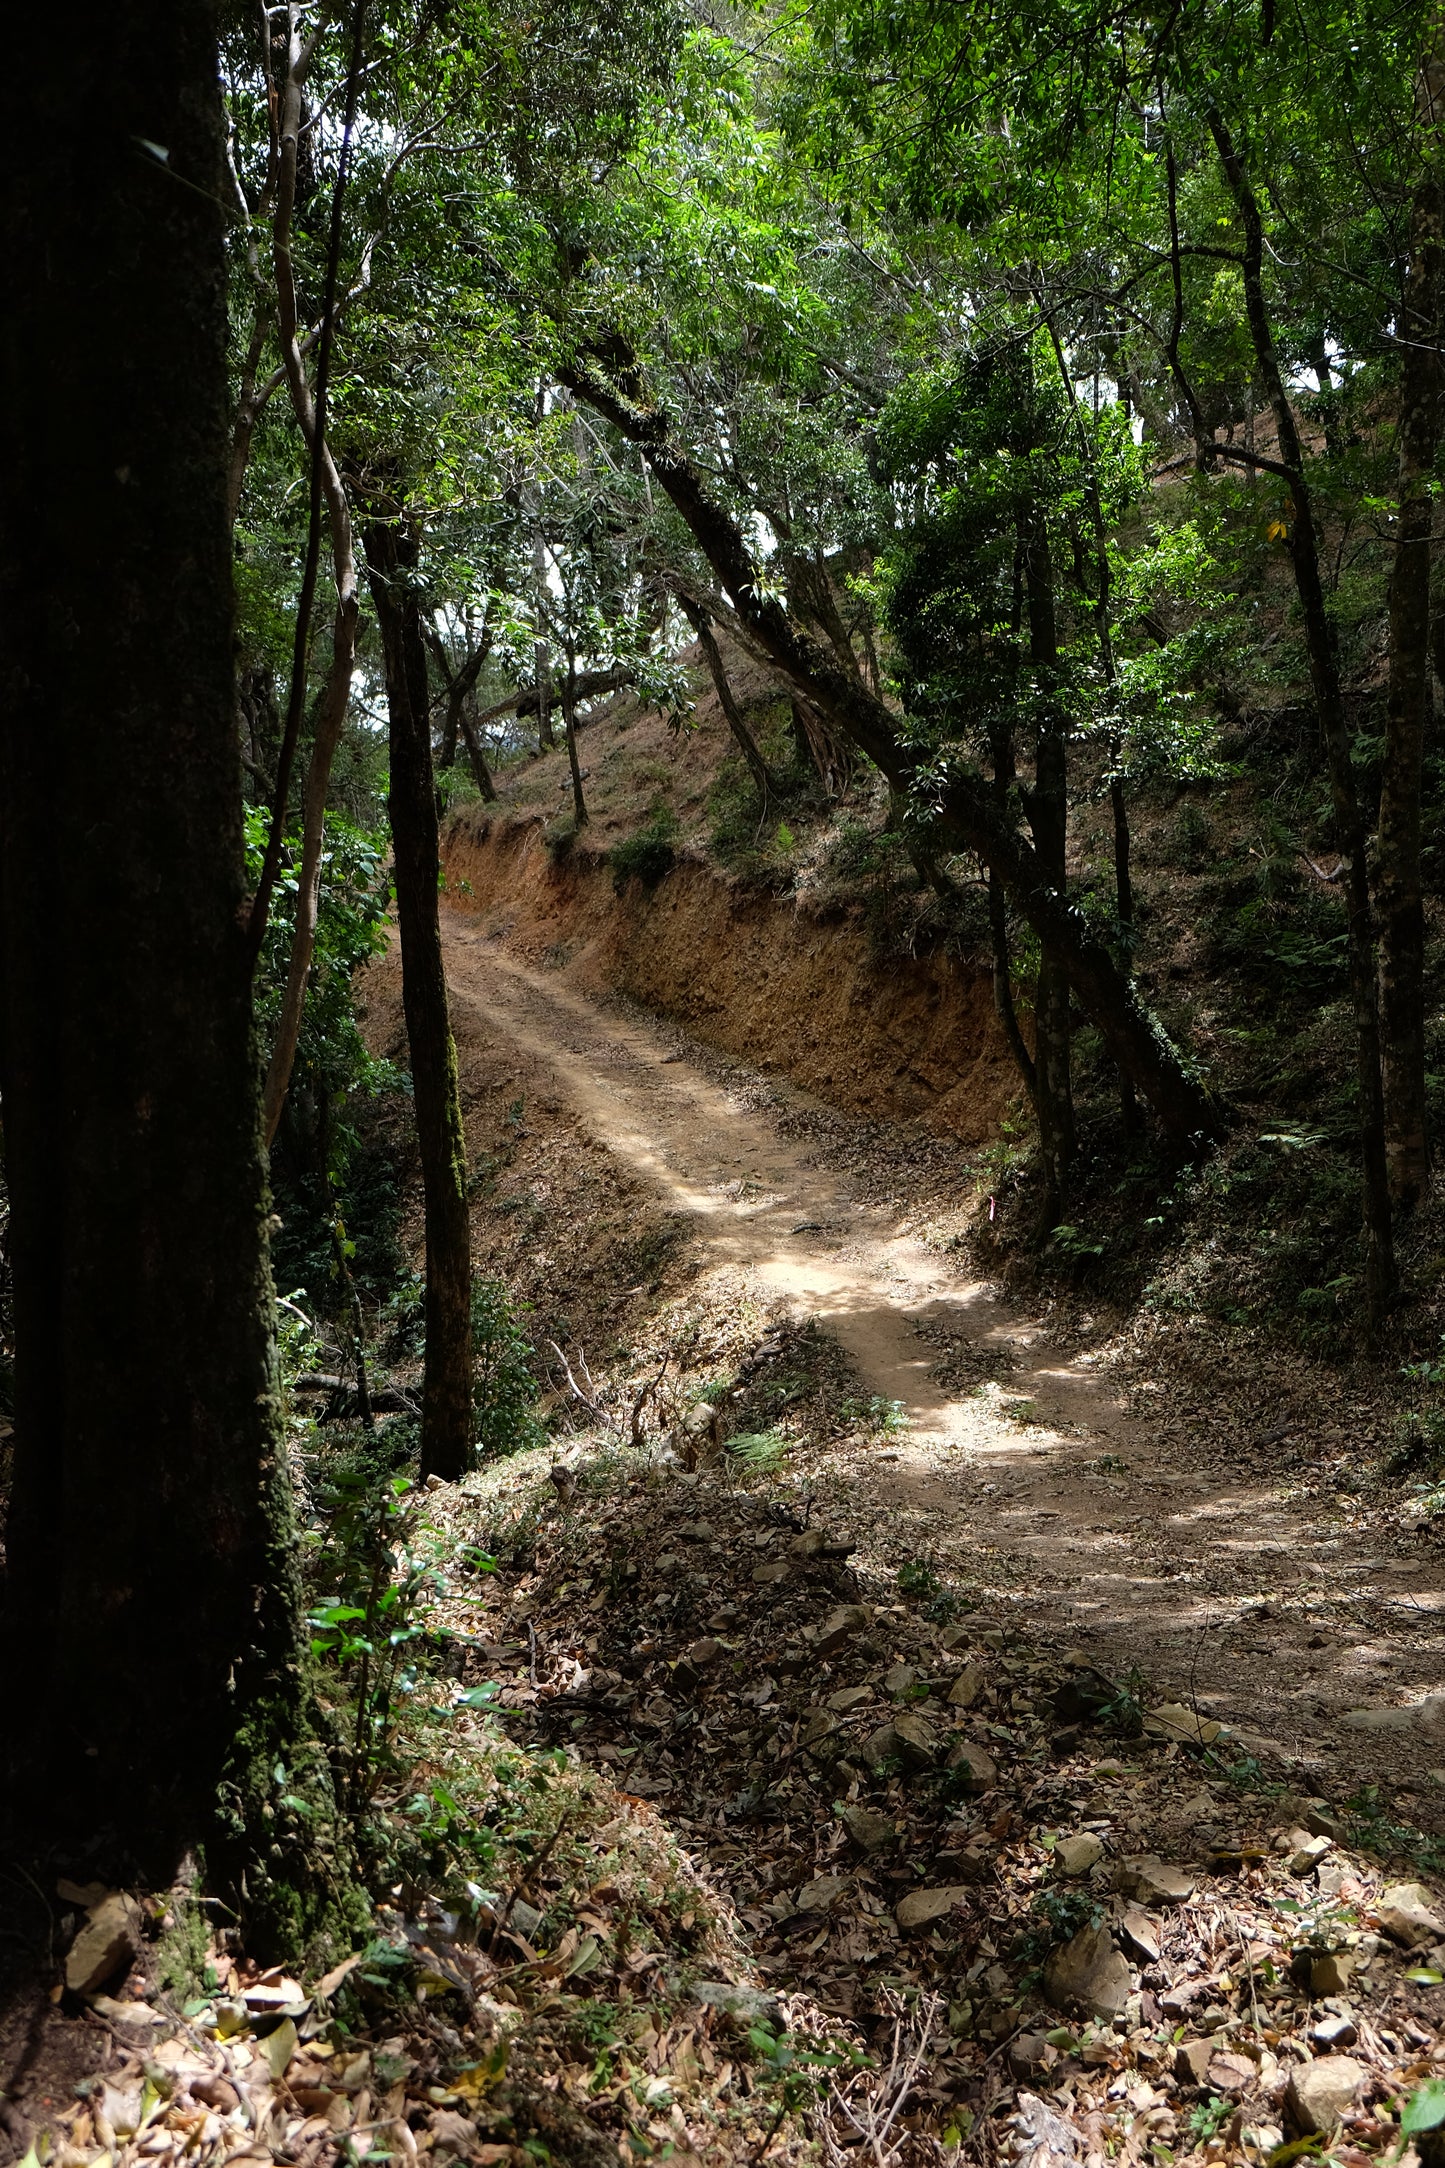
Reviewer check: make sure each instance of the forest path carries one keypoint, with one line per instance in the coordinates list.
(1119, 1530)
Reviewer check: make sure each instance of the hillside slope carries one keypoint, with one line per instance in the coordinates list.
(802, 982)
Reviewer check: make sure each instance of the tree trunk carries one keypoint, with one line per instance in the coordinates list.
(1047, 806)
(150, 1543)
(1398, 900)
(460, 685)
(446, 1419)
(1002, 751)
(746, 743)
(963, 812)
(541, 661)
(310, 411)
(1379, 1242)
(569, 724)
(481, 773)
(331, 719)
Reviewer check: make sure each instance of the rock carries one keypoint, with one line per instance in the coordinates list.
(849, 1697)
(840, 1626)
(1142, 1935)
(1064, 1743)
(1191, 2061)
(952, 1636)
(1076, 1855)
(1405, 1914)
(777, 1570)
(1335, 2032)
(1080, 1698)
(1027, 2052)
(702, 1425)
(967, 1687)
(1042, 2138)
(1088, 1974)
(1378, 1720)
(1151, 1882)
(1171, 1720)
(919, 1741)
(881, 1747)
(1308, 1852)
(922, 1906)
(743, 2006)
(1319, 2092)
(105, 1945)
(1329, 1974)
(125, 2013)
(971, 1768)
(817, 1543)
(899, 1679)
(819, 1726)
(85, 1894)
(873, 1831)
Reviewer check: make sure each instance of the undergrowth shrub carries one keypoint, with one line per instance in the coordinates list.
(649, 855)
(504, 1389)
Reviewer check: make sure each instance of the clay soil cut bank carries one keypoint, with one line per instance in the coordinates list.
(891, 1037)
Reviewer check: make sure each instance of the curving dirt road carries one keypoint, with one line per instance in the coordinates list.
(1106, 1523)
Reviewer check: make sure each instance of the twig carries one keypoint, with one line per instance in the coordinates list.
(590, 1405)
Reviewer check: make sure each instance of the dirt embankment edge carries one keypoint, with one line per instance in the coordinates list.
(895, 1038)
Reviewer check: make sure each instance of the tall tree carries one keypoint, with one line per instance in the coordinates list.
(1398, 897)
(392, 550)
(150, 1558)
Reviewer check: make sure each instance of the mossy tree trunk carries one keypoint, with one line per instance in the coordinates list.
(392, 555)
(154, 1642)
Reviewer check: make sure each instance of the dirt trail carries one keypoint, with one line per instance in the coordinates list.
(1105, 1526)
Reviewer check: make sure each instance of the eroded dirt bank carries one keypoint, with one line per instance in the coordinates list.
(899, 1038)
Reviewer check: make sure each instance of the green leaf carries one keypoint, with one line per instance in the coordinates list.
(1424, 2110)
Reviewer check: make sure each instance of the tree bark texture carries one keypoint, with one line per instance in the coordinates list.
(460, 685)
(569, 725)
(1047, 806)
(964, 814)
(1399, 903)
(1001, 752)
(1379, 1242)
(446, 1421)
(151, 1559)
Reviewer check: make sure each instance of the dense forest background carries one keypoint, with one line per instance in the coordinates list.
(998, 453)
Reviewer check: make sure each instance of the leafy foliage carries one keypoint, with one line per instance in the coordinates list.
(504, 1392)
